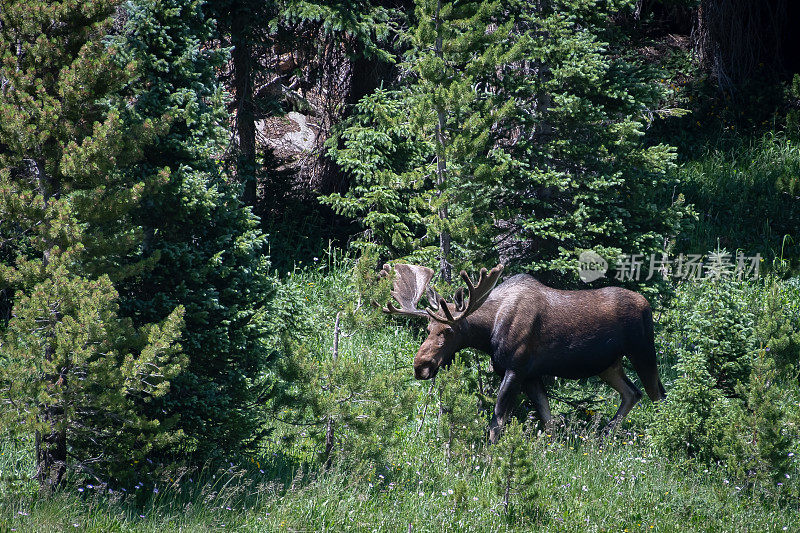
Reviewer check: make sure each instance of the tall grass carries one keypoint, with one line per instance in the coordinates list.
(584, 485)
(747, 198)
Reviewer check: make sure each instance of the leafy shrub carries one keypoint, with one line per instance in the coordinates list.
(730, 403)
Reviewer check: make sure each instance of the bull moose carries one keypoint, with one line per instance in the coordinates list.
(530, 331)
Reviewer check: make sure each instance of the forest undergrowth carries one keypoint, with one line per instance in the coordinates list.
(430, 475)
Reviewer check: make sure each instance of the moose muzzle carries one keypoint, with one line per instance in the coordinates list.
(425, 370)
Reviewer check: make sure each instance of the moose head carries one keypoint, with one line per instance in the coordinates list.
(446, 321)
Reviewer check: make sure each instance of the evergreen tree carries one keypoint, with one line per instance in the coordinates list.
(382, 154)
(71, 369)
(424, 158)
(460, 422)
(514, 475)
(207, 253)
(727, 404)
(777, 324)
(528, 123)
(583, 177)
(692, 422)
(768, 436)
(722, 329)
(350, 411)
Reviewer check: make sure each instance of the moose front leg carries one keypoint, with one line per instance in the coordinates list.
(509, 388)
(536, 393)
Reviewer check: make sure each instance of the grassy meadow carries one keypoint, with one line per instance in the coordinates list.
(583, 482)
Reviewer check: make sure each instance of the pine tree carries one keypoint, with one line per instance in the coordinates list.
(777, 324)
(205, 248)
(692, 422)
(382, 155)
(460, 422)
(722, 329)
(526, 125)
(71, 369)
(768, 434)
(424, 157)
(514, 475)
(729, 404)
(351, 412)
(583, 178)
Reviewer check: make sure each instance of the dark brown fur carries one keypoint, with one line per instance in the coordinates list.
(531, 330)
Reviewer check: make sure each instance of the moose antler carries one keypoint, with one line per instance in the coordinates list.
(476, 295)
(412, 281)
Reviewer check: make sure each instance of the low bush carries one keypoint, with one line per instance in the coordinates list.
(736, 390)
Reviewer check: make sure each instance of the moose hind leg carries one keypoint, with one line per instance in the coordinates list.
(647, 371)
(536, 393)
(642, 354)
(616, 379)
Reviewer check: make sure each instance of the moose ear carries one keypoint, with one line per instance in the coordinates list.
(433, 298)
(458, 297)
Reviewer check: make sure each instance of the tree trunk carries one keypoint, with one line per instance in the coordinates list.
(243, 98)
(441, 165)
(330, 439)
(50, 443)
(51, 450)
(739, 41)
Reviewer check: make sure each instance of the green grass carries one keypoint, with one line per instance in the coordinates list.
(590, 487)
(584, 483)
(747, 197)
